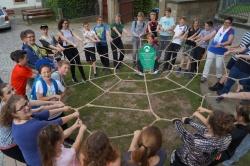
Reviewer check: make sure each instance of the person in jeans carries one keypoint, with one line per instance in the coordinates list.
(102, 31)
(202, 146)
(138, 30)
(241, 150)
(117, 28)
(224, 37)
(175, 45)
(240, 131)
(240, 72)
(165, 27)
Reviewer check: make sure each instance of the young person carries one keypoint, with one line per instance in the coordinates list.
(202, 41)
(53, 152)
(203, 146)
(154, 43)
(49, 41)
(239, 132)
(138, 30)
(26, 125)
(47, 88)
(145, 148)
(117, 29)
(21, 73)
(90, 39)
(102, 31)
(67, 39)
(175, 45)
(192, 32)
(97, 150)
(62, 70)
(166, 27)
(223, 37)
(7, 144)
(152, 24)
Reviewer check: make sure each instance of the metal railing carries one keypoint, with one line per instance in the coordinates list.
(240, 9)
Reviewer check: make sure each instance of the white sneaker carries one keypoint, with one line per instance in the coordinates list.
(156, 72)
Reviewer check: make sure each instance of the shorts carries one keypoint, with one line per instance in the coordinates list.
(231, 63)
(187, 49)
(90, 54)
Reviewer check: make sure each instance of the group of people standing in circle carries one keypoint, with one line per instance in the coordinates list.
(34, 130)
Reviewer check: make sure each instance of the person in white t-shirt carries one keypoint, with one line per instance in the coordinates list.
(90, 39)
(175, 45)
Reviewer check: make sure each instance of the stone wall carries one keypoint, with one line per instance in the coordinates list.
(202, 9)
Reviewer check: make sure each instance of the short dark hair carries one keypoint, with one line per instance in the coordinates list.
(210, 23)
(22, 35)
(230, 19)
(28, 31)
(243, 111)
(17, 55)
(168, 9)
(44, 26)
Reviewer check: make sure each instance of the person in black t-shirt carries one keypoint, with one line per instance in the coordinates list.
(239, 132)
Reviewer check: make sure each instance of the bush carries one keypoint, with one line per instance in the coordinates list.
(144, 6)
(73, 8)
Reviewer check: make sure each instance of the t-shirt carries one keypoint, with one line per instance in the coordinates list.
(160, 153)
(119, 27)
(19, 77)
(166, 23)
(138, 28)
(56, 76)
(50, 88)
(238, 134)
(153, 27)
(202, 34)
(191, 32)
(178, 31)
(67, 157)
(86, 36)
(220, 50)
(100, 31)
(25, 136)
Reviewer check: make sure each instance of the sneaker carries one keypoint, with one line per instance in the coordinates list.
(74, 80)
(83, 81)
(156, 72)
(203, 79)
(219, 99)
(216, 87)
(139, 73)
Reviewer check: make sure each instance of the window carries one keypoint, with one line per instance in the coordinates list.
(19, 0)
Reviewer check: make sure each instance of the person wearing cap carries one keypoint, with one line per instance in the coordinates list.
(49, 41)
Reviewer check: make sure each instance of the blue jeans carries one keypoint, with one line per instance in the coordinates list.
(240, 151)
(237, 74)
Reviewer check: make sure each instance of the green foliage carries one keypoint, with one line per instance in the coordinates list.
(144, 6)
(73, 8)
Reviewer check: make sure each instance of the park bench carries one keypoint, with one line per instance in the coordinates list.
(29, 14)
(10, 11)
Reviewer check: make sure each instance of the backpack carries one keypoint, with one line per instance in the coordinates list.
(143, 24)
(44, 85)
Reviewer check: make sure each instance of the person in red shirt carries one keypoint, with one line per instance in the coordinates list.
(21, 73)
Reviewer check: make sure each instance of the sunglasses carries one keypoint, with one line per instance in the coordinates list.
(23, 106)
